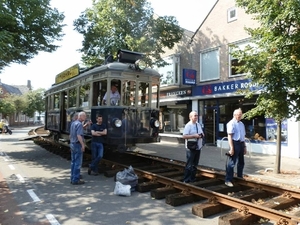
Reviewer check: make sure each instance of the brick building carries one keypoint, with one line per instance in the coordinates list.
(205, 61)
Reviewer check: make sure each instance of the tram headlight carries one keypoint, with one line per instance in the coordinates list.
(154, 123)
(117, 122)
(140, 64)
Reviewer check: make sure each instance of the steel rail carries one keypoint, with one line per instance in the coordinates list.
(216, 174)
(242, 206)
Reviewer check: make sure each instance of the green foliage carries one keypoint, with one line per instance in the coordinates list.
(274, 62)
(19, 102)
(34, 102)
(110, 25)
(7, 107)
(27, 27)
(28, 104)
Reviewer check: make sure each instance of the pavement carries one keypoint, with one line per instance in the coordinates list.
(35, 187)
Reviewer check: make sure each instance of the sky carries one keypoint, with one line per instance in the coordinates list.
(42, 69)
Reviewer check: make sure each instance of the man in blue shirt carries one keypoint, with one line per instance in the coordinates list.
(236, 140)
(98, 131)
(77, 148)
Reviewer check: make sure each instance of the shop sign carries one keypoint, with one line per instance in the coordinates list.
(176, 93)
(224, 87)
(189, 76)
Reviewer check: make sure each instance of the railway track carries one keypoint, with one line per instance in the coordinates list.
(248, 202)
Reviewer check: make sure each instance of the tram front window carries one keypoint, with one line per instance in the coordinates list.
(144, 94)
(99, 90)
(128, 90)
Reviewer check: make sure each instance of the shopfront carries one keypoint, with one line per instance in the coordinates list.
(175, 107)
(216, 105)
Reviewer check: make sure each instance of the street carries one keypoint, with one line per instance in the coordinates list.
(40, 185)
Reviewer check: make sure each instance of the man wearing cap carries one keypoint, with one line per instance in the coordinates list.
(114, 96)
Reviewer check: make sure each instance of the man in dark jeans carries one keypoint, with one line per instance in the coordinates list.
(236, 140)
(98, 131)
(77, 148)
(192, 132)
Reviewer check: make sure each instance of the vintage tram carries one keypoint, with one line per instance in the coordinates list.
(132, 118)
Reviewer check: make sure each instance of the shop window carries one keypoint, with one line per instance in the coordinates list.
(231, 14)
(209, 65)
(271, 130)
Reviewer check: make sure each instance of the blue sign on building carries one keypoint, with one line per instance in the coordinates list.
(224, 87)
(189, 76)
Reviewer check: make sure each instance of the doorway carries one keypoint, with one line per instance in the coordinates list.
(210, 125)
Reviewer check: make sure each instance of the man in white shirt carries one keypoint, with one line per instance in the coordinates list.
(192, 132)
(236, 140)
(114, 96)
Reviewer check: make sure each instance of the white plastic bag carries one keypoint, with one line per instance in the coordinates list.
(122, 189)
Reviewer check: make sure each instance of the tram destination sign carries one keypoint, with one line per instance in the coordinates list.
(67, 74)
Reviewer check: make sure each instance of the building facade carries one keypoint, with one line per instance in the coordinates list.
(213, 92)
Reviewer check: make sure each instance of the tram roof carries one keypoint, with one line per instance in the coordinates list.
(113, 66)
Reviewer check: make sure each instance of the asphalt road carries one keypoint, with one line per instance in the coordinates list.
(40, 187)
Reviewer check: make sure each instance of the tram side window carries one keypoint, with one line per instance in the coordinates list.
(56, 101)
(154, 101)
(99, 90)
(51, 102)
(84, 95)
(144, 94)
(72, 97)
(129, 92)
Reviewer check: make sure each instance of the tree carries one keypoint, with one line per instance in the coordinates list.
(110, 25)
(27, 27)
(34, 102)
(18, 102)
(273, 63)
(7, 107)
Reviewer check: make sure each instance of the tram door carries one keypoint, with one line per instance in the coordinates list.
(210, 122)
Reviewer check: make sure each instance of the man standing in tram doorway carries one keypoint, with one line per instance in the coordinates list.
(236, 140)
(98, 131)
(77, 148)
(192, 133)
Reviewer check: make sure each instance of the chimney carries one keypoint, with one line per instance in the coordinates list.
(29, 84)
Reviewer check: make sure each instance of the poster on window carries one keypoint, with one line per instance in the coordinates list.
(271, 130)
